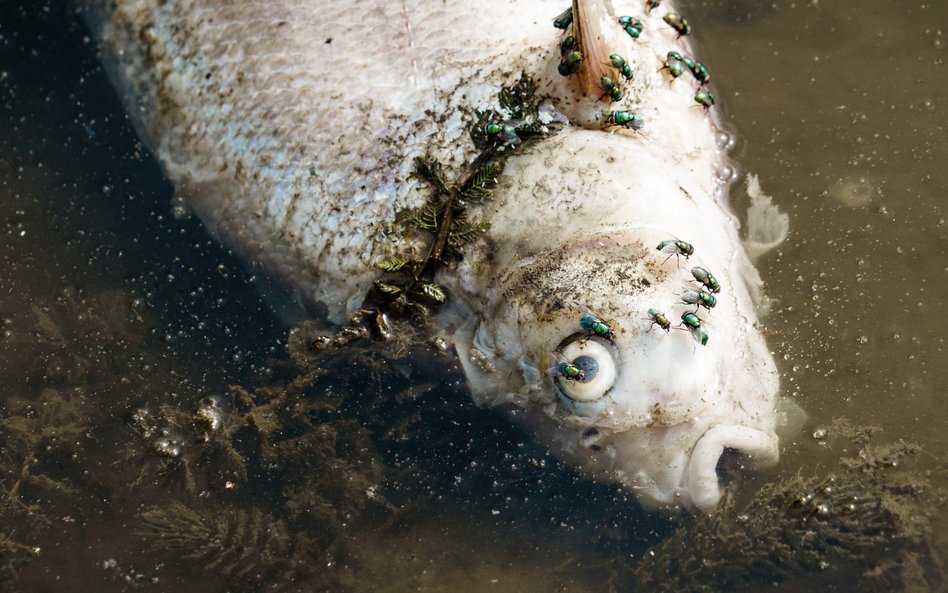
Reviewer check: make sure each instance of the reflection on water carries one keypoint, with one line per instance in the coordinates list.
(155, 434)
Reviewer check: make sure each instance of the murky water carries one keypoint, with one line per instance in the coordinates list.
(125, 326)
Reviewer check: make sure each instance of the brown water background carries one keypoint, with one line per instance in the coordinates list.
(840, 109)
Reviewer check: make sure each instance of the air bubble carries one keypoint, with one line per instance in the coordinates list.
(725, 173)
(180, 209)
(724, 140)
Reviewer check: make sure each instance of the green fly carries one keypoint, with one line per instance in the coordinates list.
(566, 369)
(658, 318)
(676, 247)
(674, 55)
(678, 23)
(597, 326)
(564, 19)
(633, 27)
(611, 88)
(506, 131)
(706, 278)
(623, 66)
(705, 99)
(567, 45)
(571, 63)
(694, 325)
(650, 4)
(627, 119)
(699, 298)
(633, 32)
(675, 67)
(700, 73)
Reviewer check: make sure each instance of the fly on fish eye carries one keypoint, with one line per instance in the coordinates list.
(586, 368)
(567, 369)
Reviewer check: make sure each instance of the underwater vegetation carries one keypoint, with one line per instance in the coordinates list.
(360, 432)
(863, 528)
(243, 546)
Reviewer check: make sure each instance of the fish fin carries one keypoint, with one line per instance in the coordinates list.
(767, 227)
(790, 418)
(755, 285)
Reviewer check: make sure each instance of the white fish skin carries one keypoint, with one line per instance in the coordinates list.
(291, 127)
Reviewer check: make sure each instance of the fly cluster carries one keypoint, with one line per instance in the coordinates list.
(704, 297)
(610, 76)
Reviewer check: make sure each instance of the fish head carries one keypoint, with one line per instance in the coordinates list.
(653, 410)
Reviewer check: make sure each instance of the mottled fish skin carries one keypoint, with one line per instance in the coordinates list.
(291, 127)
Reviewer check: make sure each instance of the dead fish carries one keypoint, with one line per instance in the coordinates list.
(292, 127)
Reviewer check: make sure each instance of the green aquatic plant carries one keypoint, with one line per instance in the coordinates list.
(445, 215)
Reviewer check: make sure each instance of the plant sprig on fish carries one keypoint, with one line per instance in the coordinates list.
(444, 215)
(513, 126)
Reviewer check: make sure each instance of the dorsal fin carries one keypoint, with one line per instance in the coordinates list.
(589, 78)
(594, 22)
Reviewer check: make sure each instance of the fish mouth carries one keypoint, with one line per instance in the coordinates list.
(701, 479)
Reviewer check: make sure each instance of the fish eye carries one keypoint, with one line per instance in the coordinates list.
(597, 358)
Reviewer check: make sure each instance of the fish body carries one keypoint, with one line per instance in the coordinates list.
(292, 129)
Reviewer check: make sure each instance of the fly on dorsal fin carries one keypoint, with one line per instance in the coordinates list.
(594, 60)
(592, 24)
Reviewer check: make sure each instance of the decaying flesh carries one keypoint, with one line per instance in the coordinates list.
(292, 126)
